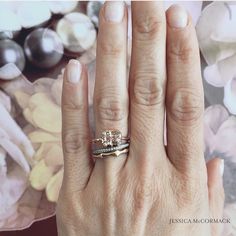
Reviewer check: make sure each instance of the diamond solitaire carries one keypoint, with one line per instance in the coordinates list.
(111, 138)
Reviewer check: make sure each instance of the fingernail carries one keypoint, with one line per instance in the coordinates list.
(74, 70)
(114, 11)
(222, 166)
(177, 17)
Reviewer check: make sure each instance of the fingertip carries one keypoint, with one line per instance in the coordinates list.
(178, 17)
(73, 71)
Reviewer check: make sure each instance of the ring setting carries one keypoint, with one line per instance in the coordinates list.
(112, 145)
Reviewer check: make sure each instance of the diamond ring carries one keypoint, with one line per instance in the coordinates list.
(110, 138)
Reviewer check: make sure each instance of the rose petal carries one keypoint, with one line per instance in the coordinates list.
(15, 153)
(226, 31)
(8, 124)
(214, 116)
(230, 96)
(220, 73)
(5, 100)
(8, 19)
(212, 17)
(226, 138)
(33, 13)
(9, 71)
(11, 189)
(212, 75)
(3, 164)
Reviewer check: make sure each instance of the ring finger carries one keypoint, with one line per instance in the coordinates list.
(111, 91)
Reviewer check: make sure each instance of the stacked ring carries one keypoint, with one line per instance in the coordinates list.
(112, 146)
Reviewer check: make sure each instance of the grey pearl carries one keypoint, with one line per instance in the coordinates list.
(11, 52)
(43, 48)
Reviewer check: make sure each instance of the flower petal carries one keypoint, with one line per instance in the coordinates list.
(220, 73)
(212, 75)
(213, 16)
(214, 116)
(230, 96)
(226, 31)
(226, 138)
(33, 13)
(15, 153)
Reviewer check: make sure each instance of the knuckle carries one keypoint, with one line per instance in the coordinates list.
(147, 89)
(111, 108)
(148, 28)
(141, 195)
(74, 106)
(181, 51)
(111, 48)
(73, 141)
(186, 106)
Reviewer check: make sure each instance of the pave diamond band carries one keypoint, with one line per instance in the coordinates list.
(110, 149)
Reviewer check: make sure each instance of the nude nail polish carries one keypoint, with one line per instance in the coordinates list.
(114, 11)
(177, 16)
(74, 70)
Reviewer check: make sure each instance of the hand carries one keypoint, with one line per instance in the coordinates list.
(139, 193)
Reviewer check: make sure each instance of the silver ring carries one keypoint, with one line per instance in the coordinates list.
(110, 149)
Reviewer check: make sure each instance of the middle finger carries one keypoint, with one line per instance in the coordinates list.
(147, 79)
(111, 90)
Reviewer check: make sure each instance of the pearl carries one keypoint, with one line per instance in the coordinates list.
(43, 48)
(77, 32)
(93, 9)
(12, 59)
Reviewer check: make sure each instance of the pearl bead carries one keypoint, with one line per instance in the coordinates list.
(43, 48)
(12, 59)
(77, 32)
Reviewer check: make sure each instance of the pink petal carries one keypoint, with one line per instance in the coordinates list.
(226, 31)
(220, 73)
(5, 100)
(3, 164)
(226, 138)
(214, 116)
(15, 153)
(230, 96)
(212, 75)
(215, 15)
(11, 189)
(14, 132)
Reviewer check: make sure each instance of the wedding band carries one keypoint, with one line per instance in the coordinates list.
(110, 149)
(110, 138)
(111, 154)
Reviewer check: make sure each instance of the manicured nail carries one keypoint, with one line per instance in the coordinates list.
(177, 17)
(222, 166)
(114, 11)
(74, 70)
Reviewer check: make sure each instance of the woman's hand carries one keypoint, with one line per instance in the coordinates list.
(139, 193)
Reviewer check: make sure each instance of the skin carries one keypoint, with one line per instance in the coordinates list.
(138, 193)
